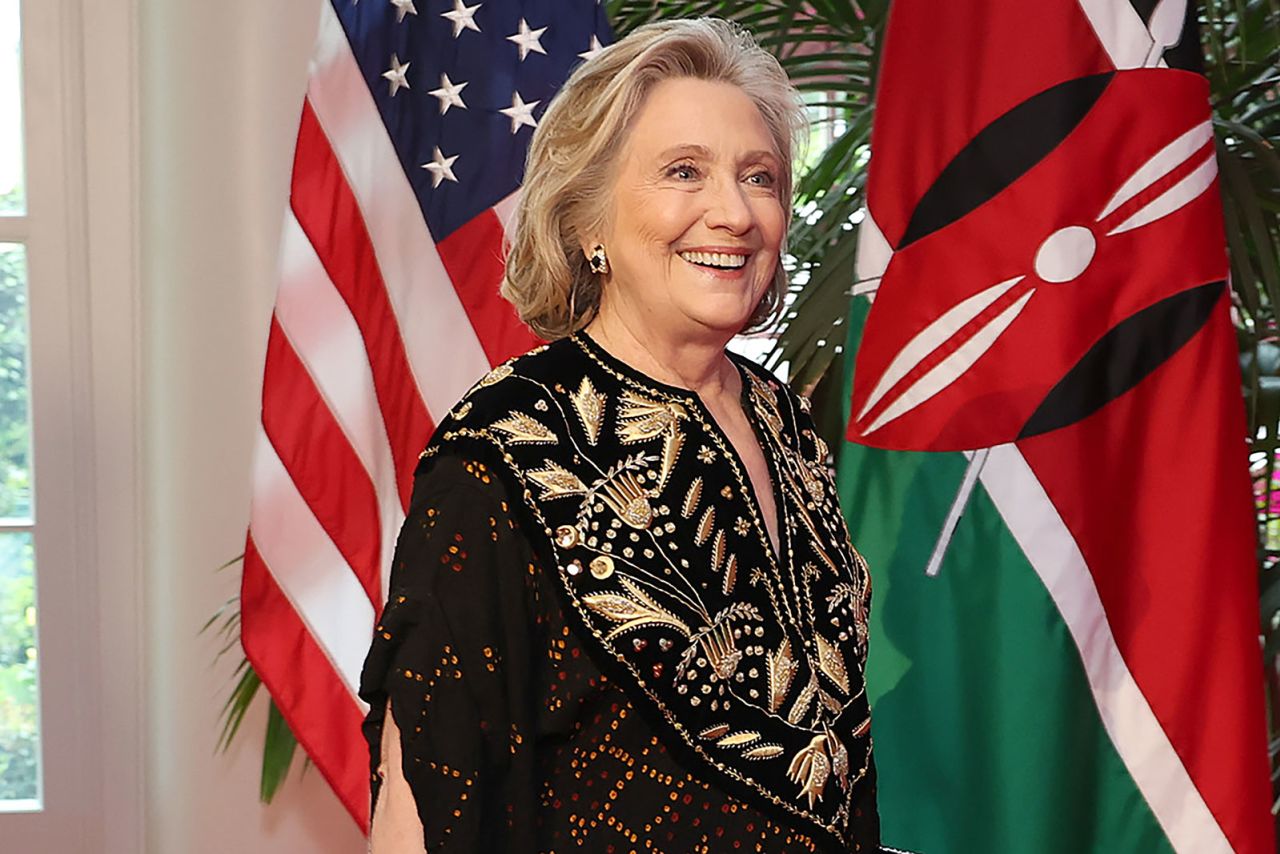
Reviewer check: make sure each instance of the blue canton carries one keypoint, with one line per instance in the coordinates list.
(443, 71)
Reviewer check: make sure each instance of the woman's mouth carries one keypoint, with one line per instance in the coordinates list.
(723, 263)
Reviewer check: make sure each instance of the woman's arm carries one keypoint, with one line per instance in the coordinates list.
(447, 677)
(396, 828)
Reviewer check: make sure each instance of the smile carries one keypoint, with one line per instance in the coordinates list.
(715, 260)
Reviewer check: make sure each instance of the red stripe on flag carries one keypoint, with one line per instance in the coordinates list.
(472, 256)
(1154, 487)
(321, 461)
(331, 218)
(304, 685)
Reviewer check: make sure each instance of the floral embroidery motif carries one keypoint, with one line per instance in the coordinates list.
(557, 481)
(634, 610)
(589, 404)
(521, 428)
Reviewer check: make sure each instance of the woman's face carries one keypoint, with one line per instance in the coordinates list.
(696, 223)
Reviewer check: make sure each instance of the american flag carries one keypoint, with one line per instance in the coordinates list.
(409, 159)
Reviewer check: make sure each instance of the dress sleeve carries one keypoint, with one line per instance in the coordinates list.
(451, 661)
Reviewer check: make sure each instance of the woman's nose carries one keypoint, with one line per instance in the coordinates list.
(727, 207)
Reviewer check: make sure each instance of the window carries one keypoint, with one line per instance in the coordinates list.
(19, 728)
(70, 777)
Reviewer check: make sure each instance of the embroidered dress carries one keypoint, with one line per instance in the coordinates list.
(591, 641)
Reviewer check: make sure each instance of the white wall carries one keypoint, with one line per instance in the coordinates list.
(221, 85)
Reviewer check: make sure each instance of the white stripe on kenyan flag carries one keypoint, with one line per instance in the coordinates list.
(1138, 737)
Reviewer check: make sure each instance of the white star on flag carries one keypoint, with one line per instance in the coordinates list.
(404, 7)
(593, 49)
(463, 17)
(449, 94)
(527, 39)
(441, 168)
(520, 113)
(396, 75)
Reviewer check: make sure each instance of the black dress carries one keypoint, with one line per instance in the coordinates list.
(590, 643)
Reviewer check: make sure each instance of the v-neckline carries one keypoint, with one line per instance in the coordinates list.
(691, 399)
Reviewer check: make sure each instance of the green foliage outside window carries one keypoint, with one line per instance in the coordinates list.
(19, 740)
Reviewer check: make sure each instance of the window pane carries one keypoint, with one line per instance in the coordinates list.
(15, 433)
(19, 735)
(12, 196)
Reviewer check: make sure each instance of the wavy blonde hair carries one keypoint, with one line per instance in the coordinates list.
(575, 148)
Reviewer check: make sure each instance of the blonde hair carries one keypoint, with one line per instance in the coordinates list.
(568, 173)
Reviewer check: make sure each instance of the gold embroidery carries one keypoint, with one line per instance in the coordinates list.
(738, 739)
(568, 536)
(718, 646)
(671, 446)
(647, 414)
(557, 481)
(629, 500)
(691, 498)
(802, 702)
(766, 405)
(601, 567)
(640, 418)
(717, 551)
(633, 611)
(832, 663)
(705, 526)
(589, 405)
(839, 759)
(811, 480)
(829, 701)
(496, 375)
(730, 574)
(525, 429)
(810, 768)
(782, 669)
(764, 751)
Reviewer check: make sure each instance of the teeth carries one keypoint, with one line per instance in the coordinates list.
(715, 259)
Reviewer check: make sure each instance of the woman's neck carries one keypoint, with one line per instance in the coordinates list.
(698, 365)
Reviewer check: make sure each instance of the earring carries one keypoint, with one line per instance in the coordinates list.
(599, 261)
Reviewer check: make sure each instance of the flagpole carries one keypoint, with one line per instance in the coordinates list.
(976, 460)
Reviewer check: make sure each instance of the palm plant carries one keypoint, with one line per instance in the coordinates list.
(830, 49)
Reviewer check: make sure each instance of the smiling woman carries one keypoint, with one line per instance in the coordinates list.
(624, 603)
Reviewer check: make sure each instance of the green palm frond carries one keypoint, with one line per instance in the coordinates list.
(279, 743)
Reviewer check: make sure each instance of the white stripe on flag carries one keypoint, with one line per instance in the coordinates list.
(443, 349)
(1121, 31)
(1137, 735)
(318, 323)
(309, 568)
(506, 211)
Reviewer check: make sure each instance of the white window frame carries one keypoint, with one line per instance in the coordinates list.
(81, 233)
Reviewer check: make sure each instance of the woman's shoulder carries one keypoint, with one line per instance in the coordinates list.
(517, 382)
(765, 383)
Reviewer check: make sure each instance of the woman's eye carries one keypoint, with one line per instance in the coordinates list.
(683, 171)
(761, 179)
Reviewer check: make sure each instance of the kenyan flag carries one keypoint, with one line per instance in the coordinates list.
(1049, 477)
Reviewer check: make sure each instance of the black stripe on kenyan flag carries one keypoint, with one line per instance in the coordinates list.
(1123, 357)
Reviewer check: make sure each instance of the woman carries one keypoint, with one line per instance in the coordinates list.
(625, 612)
